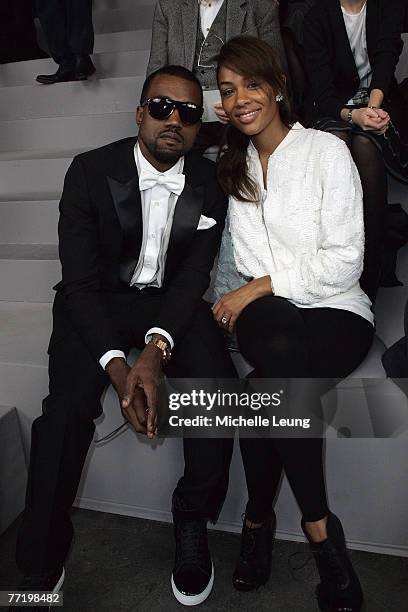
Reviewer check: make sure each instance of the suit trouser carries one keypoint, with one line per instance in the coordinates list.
(67, 25)
(61, 436)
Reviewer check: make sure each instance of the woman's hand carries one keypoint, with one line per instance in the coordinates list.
(371, 119)
(221, 114)
(227, 310)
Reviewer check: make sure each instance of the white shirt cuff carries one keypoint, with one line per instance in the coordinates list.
(105, 359)
(159, 330)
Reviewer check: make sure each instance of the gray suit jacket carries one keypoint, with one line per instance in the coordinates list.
(175, 29)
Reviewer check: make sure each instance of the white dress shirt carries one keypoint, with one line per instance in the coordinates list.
(307, 231)
(158, 204)
(208, 12)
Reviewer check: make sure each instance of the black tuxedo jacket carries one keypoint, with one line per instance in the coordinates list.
(332, 72)
(100, 235)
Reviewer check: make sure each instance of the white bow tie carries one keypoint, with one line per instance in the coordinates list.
(172, 182)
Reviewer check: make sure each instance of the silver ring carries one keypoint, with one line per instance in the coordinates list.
(224, 320)
(147, 409)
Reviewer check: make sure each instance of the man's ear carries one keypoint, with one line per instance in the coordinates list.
(139, 115)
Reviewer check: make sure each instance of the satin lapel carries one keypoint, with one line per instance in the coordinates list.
(127, 202)
(186, 215)
(236, 11)
(189, 16)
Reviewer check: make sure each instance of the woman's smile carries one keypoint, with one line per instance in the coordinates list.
(247, 116)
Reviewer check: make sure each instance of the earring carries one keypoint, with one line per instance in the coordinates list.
(279, 97)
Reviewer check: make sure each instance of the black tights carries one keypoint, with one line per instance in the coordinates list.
(373, 176)
(281, 340)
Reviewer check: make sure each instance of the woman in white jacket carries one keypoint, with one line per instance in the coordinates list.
(288, 286)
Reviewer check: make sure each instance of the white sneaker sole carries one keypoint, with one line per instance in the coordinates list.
(193, 600)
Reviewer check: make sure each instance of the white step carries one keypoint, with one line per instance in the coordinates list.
(61, 134)
(136, 17)
(29, 222)
(28, 272)
(24, 333)
(74, 98)
(32, 179)
(114, 64)
(129, 40)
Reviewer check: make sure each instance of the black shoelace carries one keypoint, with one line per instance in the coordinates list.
(191, 549)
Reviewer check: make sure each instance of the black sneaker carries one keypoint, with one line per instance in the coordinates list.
(50, 581)
(193, 574)
(254, 563)
(339, 589)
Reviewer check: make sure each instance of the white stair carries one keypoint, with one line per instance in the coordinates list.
(108, 64)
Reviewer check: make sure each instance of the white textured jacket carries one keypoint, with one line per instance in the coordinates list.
(306, 232)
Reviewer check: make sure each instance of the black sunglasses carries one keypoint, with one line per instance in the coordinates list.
(161, 108)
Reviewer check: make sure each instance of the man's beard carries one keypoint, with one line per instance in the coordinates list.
(164, 155)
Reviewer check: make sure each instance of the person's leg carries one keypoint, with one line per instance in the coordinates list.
(200, 492)
(81, 36)
(53, 18)
(335, 342)
(62, 434)
(80, 27)
(60, 440)
(283, 352)
(202, 353)
(370, 165)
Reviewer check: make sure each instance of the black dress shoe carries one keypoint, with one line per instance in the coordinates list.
(193, 574)
(84, 67)
(254, 563)
(63, 75)
(339, 589)
(50, 581)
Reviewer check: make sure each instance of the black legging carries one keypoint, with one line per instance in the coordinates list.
(282, 340)
(373, 176)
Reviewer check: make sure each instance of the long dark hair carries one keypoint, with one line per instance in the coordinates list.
(249, 57)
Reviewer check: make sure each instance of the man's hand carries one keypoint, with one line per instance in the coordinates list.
(227, 310)
(141, 387)
(135, 412)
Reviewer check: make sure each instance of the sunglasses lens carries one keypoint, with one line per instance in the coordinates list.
(190, 114)
(160, 108)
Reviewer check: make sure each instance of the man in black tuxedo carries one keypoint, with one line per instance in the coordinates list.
(140, 225)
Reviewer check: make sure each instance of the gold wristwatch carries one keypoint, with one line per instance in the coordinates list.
(164, 347)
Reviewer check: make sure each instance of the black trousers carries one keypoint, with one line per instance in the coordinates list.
(68, 28)
(281, 340)
(61, 436)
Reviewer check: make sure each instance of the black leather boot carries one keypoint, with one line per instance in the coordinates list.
(339, 589)
(254, 563)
